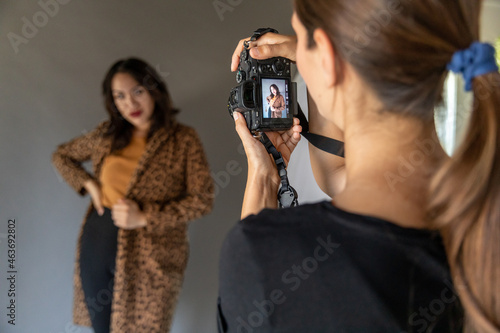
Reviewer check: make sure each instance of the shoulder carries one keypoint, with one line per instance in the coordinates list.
(280, 223)
(101, 134)
(184, 130)
(90, 138)
(175, 134)
(303, 224)
(103, 126)
(186, 134)
(100, 130)
(179, 139)
(299, 216)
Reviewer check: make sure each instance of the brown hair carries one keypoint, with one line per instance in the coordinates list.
(400, 48)
(163, 114)
(277, 90)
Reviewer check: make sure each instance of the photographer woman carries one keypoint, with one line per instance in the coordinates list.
(276, 102)
(377, 258)
(150, 178)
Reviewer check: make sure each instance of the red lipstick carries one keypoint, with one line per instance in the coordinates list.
(136, 114)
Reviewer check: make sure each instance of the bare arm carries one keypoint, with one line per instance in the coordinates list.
(263, 179)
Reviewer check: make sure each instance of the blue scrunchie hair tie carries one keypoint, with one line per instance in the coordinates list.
(478, 59)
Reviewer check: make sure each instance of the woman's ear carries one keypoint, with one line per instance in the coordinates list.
(325, 56)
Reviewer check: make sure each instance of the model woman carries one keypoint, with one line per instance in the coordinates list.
(376, 258)
(276, 102)
(150, 178)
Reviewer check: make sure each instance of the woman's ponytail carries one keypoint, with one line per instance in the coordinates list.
(465, 205)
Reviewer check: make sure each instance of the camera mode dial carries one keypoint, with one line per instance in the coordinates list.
(240, 76)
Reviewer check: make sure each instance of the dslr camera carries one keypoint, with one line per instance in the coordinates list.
(265, 94)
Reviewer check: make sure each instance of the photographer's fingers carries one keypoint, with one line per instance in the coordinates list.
(290, 138)
(235, 60)
(268, 46)
(274, 45)
(293, 132)
(242, 129)
(272, 38)
(294, 137)
(266, 51)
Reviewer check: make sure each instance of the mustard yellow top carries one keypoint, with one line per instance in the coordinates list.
(117, 170)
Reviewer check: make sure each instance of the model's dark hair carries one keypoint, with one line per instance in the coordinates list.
(163, 114)
(400, 49)
(277, 90)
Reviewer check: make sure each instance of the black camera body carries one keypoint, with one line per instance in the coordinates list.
(265, 94)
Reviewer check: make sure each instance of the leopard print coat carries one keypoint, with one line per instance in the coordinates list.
(172, 185)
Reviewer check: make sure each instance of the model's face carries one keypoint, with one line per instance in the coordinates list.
(133, 101)
(273, 90)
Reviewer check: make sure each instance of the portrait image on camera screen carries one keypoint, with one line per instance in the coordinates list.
(275, 98)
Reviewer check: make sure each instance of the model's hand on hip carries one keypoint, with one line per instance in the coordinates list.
(127, 215)
(94, 191)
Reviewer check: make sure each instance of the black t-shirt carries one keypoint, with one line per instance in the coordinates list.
(316, 268)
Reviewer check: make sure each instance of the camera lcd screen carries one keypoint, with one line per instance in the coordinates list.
(275, 94)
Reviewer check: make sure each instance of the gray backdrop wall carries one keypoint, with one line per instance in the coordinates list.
(53, 56)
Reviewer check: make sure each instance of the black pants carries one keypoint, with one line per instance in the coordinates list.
(97, 267)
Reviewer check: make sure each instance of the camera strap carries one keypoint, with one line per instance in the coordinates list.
(321, 142)
(287, 196)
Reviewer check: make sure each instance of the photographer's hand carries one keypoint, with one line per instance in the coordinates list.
(263, 179)
(268, 46)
